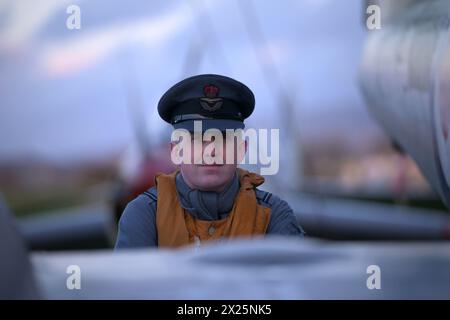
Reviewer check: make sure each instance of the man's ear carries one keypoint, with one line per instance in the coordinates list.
(241, 150)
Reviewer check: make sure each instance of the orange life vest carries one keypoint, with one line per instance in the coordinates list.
(177, 227)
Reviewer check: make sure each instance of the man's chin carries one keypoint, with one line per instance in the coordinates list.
(211, 181)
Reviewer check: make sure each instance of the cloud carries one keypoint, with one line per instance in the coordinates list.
(69, 56)
(25, 18)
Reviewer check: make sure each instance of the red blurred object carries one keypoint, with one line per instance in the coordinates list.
(142, 180)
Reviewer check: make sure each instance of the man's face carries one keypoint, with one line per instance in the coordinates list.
(204, 175)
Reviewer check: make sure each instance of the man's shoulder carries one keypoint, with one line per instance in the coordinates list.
(144, 202)
(282, 219)
(137, 225)
(150, 194)
(267, 199)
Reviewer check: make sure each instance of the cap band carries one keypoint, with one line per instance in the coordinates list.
(229, 109)
(196, 116)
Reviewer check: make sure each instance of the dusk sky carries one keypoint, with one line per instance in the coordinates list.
(63, 93)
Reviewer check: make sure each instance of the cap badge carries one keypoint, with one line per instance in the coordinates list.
(211, 102)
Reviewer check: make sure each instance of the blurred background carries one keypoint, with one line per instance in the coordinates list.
(80, 135)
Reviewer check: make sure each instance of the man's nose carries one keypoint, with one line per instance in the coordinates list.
(216, 148)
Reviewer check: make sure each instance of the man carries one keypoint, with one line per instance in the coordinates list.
(203, 201)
